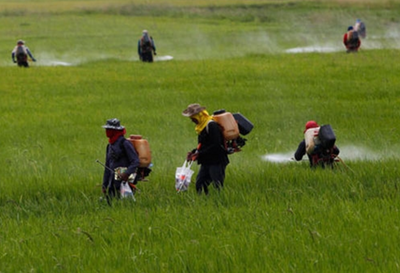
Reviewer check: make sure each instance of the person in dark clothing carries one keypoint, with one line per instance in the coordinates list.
(360, 28)
(319, 157)
(210, 153)
(146, 47)
(351, 40)
(20, 54)
(120, 157)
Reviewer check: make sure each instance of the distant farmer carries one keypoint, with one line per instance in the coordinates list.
(360, 28)
(351, 40)
(210, 153)
(146, 47)
(20, 54)
(121, 157)
(318, 155)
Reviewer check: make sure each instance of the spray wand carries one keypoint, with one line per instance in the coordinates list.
(113, 171)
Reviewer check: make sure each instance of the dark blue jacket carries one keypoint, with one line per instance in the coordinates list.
(147, 49)
(119, 154)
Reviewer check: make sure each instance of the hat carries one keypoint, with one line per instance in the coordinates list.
(311, 124)
(349, 28)
(113, 124)
(20, 42)
(145, 31)
(193, 109)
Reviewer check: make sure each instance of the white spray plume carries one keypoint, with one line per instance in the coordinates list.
(347, 153)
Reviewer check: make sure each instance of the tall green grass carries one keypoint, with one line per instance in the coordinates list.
(270, 217)
(103, 32)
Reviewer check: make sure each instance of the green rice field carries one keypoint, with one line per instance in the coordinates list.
(279, 63)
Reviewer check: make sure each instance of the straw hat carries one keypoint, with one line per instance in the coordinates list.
(193, 109)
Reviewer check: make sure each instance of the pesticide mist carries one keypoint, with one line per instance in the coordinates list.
(347, 153)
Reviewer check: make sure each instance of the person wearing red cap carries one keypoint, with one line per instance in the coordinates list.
(319, 156)
(311, 124)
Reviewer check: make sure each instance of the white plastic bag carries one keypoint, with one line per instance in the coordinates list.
(125, 190)
(183, 176)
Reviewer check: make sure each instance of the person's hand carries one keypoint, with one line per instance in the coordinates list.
(33, 59)
(192, 156)
(124, 176)
(189, 156)
(155, 53)
(104, 190)
(14, 61)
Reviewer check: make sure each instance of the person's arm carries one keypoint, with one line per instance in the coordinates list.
(138, 48)
(301, 151)
(30, 54)
(13, 57)
(133, 158)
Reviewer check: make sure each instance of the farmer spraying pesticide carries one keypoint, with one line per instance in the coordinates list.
(20, 54)
(218, 136)
(121, 163)
(146, 47)
(351, 40)
(360, 28)
(211, 153)
(318, 144)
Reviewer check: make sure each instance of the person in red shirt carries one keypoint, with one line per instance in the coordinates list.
(351, 40)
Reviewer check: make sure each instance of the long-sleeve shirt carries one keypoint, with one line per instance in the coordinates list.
(301, 151)
(212, 149)
(351, 44)
(119, 154)
(28, 52)
(144, 49)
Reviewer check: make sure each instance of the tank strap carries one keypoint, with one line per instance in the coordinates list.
(207, 125)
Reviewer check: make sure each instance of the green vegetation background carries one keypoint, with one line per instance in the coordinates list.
(270, 217)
